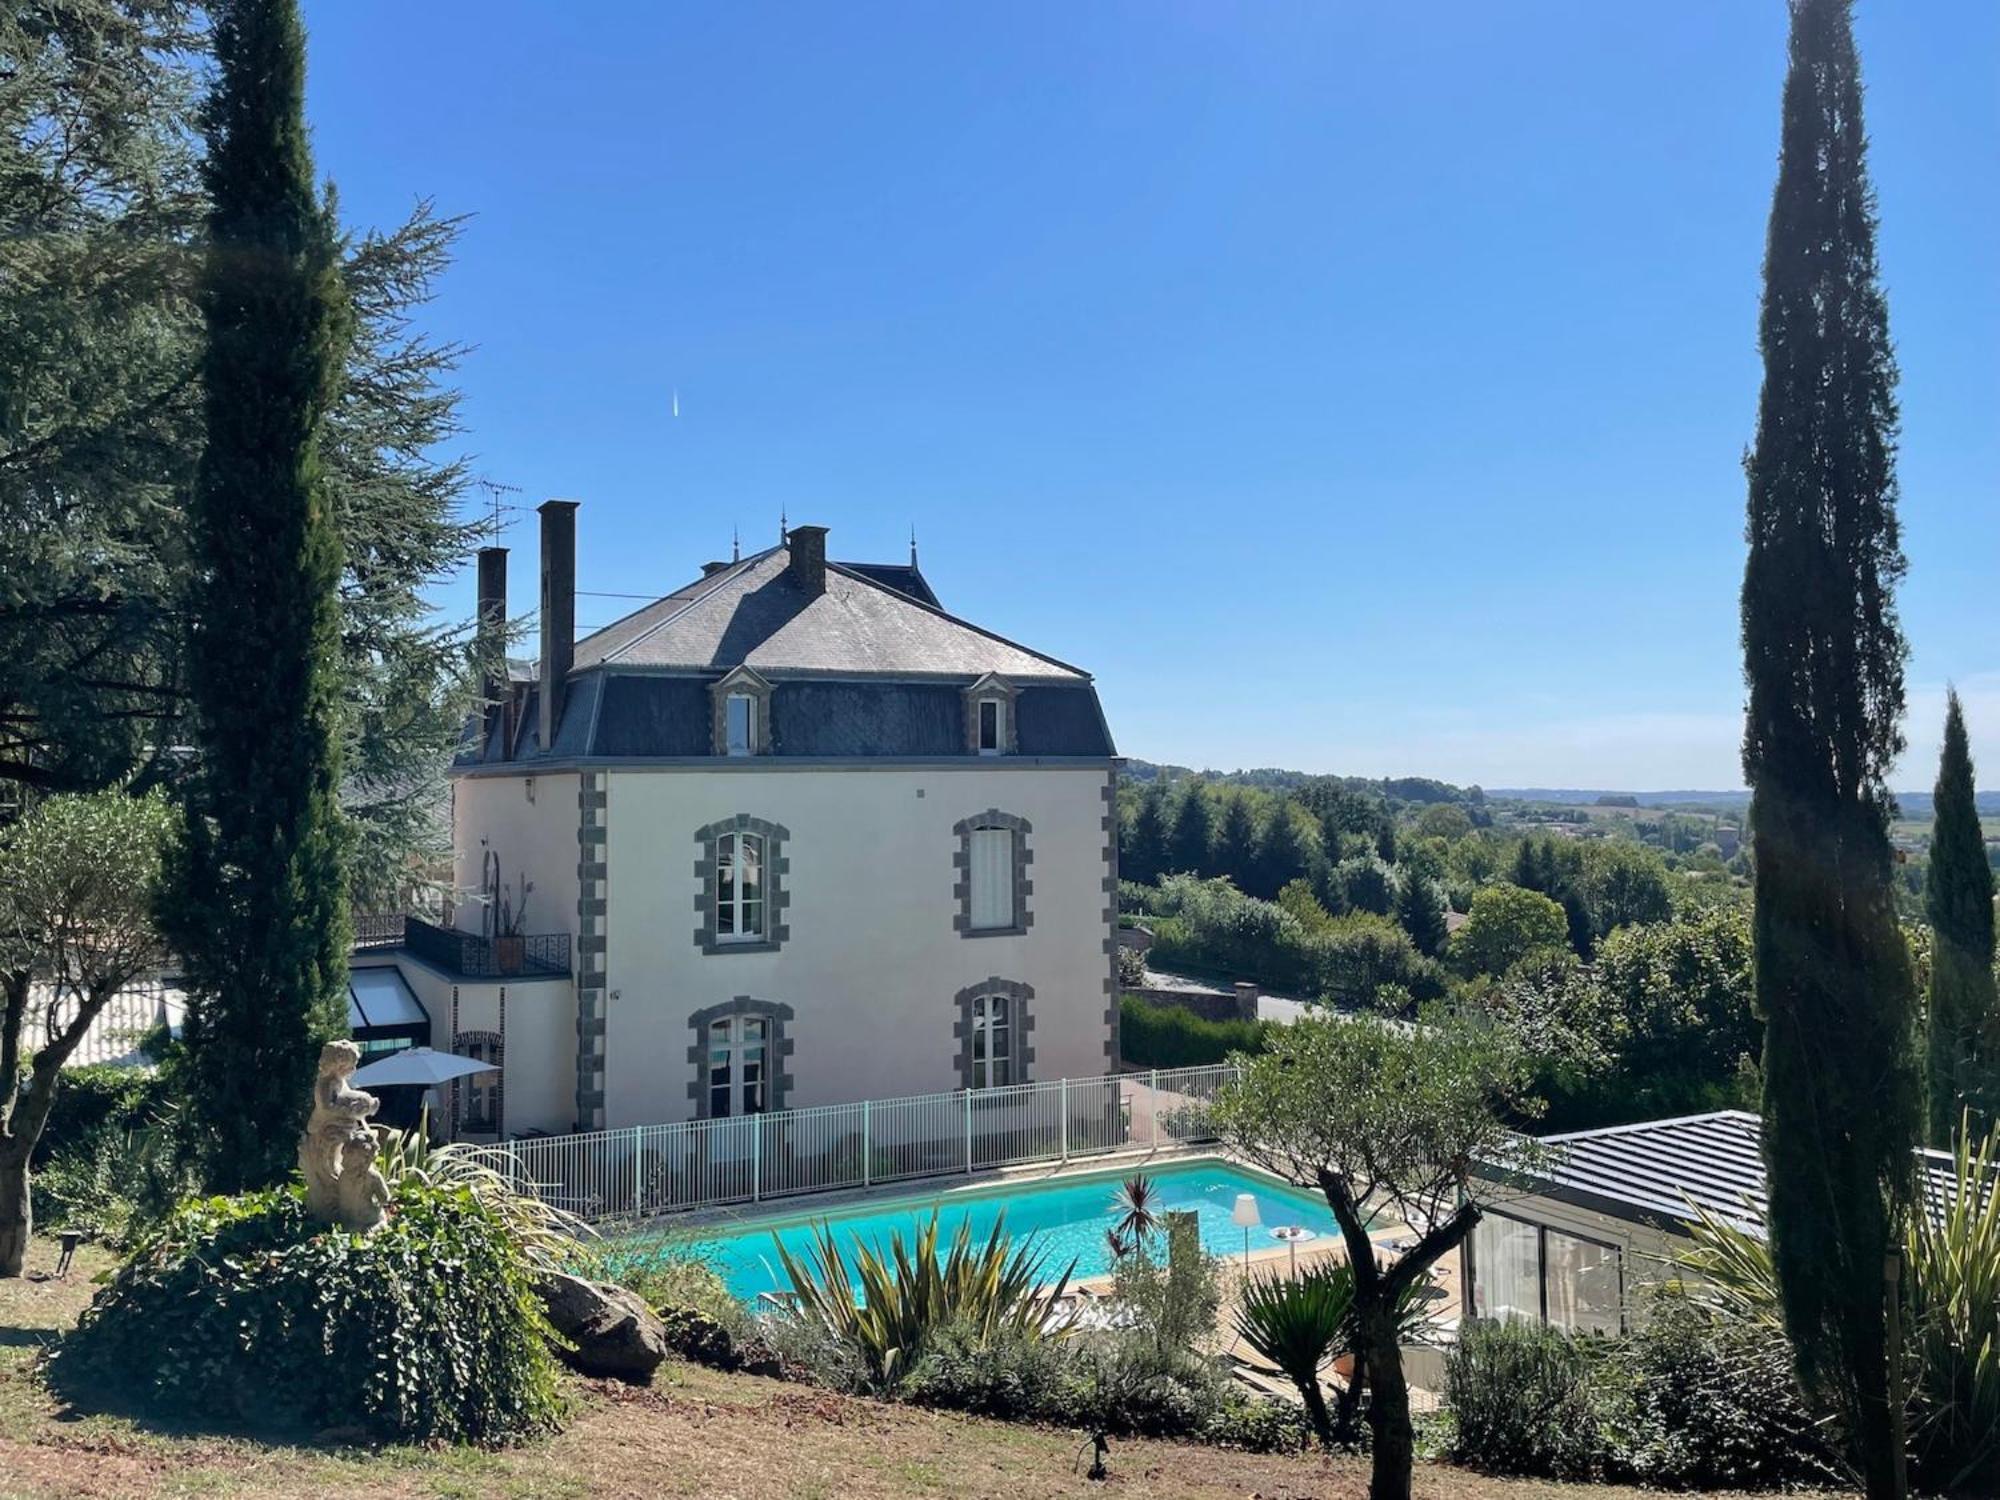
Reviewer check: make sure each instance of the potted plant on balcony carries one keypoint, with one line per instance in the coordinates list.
(510, 947)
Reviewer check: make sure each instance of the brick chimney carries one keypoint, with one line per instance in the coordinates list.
(492, 636)
(807, 546)
(558, 611)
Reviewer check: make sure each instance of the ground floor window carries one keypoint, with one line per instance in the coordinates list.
(992, 1042)
(1524, 1270)
(738, 1066)
(739, 1058)
(479, 1094)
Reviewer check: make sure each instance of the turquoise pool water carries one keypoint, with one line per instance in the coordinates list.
(1066, 1215)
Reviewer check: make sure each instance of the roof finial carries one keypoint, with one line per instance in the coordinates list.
(735, 544)
(913, 544)
(784, 527)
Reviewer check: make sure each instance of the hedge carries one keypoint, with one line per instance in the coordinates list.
(1169, 1036)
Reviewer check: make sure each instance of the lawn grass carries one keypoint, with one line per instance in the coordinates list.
(694, 1433)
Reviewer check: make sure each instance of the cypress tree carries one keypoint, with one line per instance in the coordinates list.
(1958, 899)
(1189, 847)
(1143, 855)
(1236, 844)
(1420, 911)
(259, 909)
(1823, 661)
(1283, 852)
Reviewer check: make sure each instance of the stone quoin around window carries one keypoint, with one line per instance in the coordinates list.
(777, 1050)
(971, 921)
(1020, 1026)
(718, 931)
(753, 690)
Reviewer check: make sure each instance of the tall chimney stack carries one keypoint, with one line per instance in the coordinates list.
(558, 611)
(491, 636)
(807, 545)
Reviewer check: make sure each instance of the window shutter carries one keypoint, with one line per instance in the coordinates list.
(992, 877)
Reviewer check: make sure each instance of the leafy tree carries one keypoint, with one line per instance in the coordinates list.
(1235, 846)
(78, 878)
(1505, 925)
(1823, 659)
(1626, 885)
(1420, 910)
(1189, 846)
(1963, 1051)
(1361, 960)
(258, 906)
(1365, 884)
(1142, 854)
(1443, 820)
(99, 204)
(1557, 872)
(1369, 1112)
(1680, 1008)
(1284, 851)
(101, 343)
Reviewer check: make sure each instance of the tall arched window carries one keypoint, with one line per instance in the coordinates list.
(742, 895)
(739, 888)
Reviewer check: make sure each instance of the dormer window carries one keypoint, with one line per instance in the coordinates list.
(989, 716)
(742, 718)
(992, 726)
(740, 724)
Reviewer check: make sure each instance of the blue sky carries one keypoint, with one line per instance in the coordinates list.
(1352, 387)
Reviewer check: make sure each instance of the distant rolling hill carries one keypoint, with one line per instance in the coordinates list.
(1913, 805)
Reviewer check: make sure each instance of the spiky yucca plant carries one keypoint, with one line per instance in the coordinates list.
(891, 1306)
(1951, 1253)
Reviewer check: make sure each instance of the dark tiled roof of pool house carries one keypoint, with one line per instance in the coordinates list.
(1652, 1171)
(859, 660)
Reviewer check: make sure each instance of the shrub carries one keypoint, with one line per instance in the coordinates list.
(111, 1181)
(669, 1272)
(1173, 1302)
(245, 1310)
(1171, 1036)
(1135, 1385)
(1697, 1401)
(1257, 1425)
(1014, 1379)
(97, 1101)
(1520, 1396)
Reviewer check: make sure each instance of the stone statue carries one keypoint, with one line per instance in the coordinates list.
(337, 1152)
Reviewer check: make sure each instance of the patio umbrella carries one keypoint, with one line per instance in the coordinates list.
(419, 1066)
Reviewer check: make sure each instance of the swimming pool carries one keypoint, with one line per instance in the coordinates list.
(1066, 1215)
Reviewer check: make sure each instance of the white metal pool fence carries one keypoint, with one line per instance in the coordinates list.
(644, 1170)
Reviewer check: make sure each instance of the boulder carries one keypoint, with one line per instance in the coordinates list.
(614, 1333)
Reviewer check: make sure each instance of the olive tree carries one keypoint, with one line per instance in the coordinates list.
(1383, 1116)
(78, 879)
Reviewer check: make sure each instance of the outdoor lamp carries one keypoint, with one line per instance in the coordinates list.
(1245, 1213)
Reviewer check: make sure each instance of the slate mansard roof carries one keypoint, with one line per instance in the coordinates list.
(871, 667)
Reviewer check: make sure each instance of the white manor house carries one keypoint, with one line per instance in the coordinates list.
(790, 835)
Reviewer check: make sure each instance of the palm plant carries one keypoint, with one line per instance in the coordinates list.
(1137, 1208)
(890, 1308)
(1300, 1324)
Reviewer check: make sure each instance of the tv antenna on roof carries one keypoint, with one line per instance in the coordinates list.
(494, 490)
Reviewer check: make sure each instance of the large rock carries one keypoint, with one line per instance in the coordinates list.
(614, 1332)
